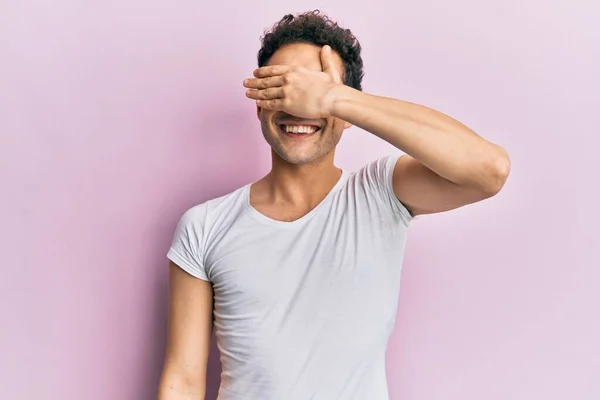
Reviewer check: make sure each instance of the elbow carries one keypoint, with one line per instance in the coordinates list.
(497, 173)
(176, 384)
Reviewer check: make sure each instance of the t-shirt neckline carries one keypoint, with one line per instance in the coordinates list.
(265, 219)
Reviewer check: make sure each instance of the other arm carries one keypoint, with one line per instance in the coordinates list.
(189, 334)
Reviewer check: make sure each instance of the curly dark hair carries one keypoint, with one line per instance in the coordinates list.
(316, 28)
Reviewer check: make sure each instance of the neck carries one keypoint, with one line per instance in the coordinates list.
(301, 184)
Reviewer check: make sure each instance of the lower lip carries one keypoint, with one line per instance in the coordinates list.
(298, 136)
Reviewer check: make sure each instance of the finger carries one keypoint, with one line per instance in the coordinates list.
(265, 94)
(328, 64)
(271, 70)
(274, 104)
(263, 83)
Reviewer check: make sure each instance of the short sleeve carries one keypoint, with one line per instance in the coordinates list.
(187, 242)
(379, 177)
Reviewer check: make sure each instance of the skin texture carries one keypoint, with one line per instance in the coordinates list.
(446, 166)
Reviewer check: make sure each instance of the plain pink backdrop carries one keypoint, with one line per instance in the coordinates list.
(115, 117)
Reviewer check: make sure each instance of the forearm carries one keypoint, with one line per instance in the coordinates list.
(439, 142)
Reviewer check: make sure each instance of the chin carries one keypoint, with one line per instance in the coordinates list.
(296, 158)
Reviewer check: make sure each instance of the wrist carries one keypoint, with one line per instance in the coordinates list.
(339, 95)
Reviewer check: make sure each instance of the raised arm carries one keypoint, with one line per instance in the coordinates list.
(189, 334)
(447, 164)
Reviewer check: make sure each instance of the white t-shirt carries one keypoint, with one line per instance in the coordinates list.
(304, 309)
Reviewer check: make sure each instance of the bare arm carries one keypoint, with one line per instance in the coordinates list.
(447, 164)
(189, 334)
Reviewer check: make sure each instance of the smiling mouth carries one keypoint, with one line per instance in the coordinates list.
(299, 130)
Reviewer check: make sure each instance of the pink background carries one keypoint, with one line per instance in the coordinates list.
(115, 117)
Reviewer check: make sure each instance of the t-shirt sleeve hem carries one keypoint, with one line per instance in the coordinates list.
(389, 184)
(185, 265)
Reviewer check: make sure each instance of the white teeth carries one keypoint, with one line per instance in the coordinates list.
(300, 128)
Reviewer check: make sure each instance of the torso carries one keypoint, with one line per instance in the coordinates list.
(304, 309)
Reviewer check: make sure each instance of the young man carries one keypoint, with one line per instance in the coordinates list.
(299, 272)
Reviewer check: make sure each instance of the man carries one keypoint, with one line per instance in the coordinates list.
(299, 272)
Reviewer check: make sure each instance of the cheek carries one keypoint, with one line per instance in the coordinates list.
(337, 126)
(266, 120)
(264, 115)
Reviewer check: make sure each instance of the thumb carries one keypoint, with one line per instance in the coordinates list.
(328, 65)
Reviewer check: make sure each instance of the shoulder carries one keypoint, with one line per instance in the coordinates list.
(375, 181)
(377, 174)
(199, 215)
